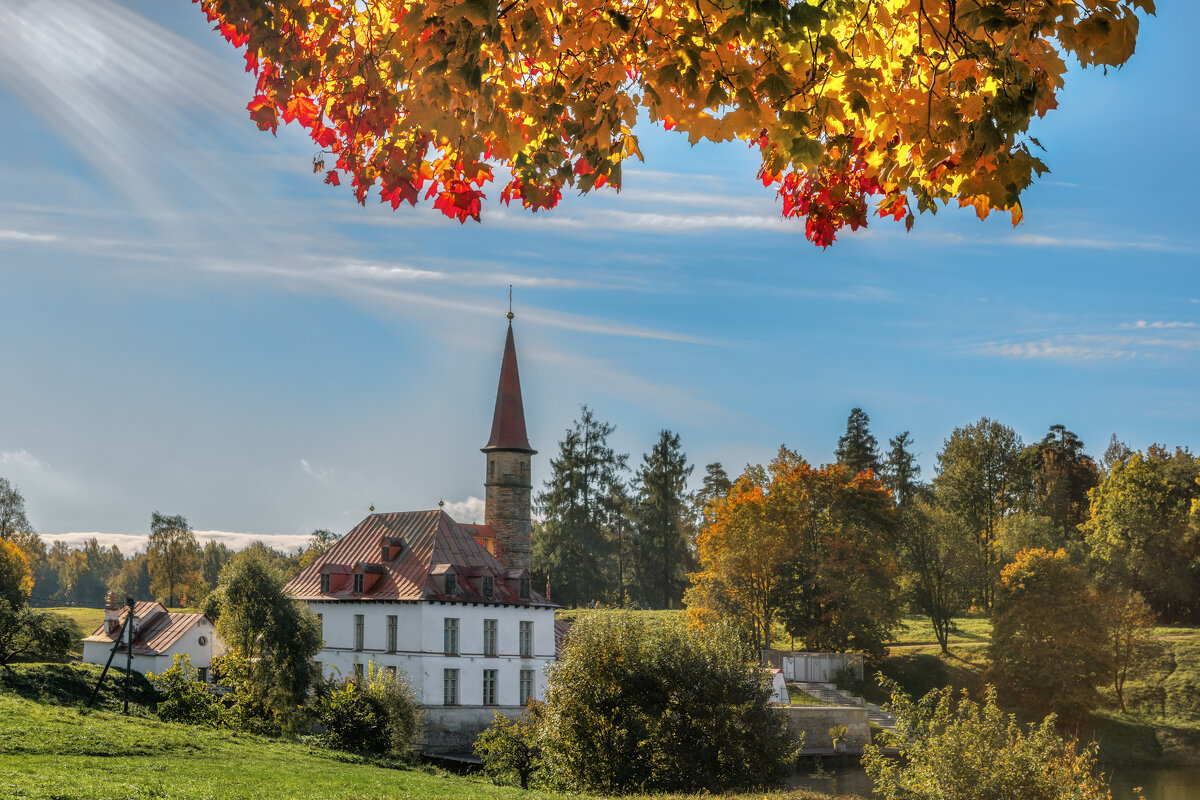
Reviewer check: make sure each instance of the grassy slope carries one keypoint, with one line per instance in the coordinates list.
(918, 630)
(85, 621)
(53, 752)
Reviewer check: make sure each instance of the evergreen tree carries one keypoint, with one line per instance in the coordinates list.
(661, 545)
(857, 449)
(981, 479)
(1062, 473)
(1116, 452)
(901, 470)
(575, 545)
(716, 484)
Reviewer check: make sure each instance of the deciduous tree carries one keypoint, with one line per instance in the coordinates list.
(1049, 645)
(1062, 475)
(936, 551)
(1144, 529)
(844, 100)
(981, 479)
(174, 557)
(1130, 625)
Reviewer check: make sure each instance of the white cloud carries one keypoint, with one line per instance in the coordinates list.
(136, 543)
(1141, 323)
(470, 510)
(22, 458)
(1139, 340)
(318, 473)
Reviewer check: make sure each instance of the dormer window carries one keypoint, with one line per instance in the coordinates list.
(451, 583)
(385, 553)
(486, 586)
(325, 584)
(358, 583)
(523, 589)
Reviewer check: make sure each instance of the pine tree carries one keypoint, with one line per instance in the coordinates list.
(857, 449)
(575, 546)
(661, 546)
(716, 484)
(901, 470)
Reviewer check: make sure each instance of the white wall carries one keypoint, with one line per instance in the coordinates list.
(419, 646)
(188, 644)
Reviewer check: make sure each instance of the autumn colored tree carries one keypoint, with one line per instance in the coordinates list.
(174, 557)
(982, 478)
(16, 528)
(662, 535)
(811, 548)
(1144, 530)
(914, 103)
(1130, 626)
(1049, 645)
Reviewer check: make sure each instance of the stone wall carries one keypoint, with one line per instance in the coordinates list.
(507, 493)
(452, 729)
(815, 721)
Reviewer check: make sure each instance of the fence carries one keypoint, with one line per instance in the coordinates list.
(813, 667)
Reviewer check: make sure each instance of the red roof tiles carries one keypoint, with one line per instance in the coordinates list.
(434, 544)
(508, 421)
(155, 628)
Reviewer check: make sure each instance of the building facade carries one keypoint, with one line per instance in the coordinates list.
(158, 636)
(449, 605)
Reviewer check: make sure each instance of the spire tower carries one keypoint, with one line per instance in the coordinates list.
(508, 484)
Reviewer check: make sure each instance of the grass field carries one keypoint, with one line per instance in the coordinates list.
(918, 630)
(85, 621)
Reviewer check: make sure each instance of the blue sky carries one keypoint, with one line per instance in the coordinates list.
(193, 323)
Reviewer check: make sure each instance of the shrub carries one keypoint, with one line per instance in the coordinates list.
(185, 698)
(510, 748)
(379, 714)
(953, 747)
(642, 706)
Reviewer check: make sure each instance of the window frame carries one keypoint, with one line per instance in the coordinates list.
(524, 588)
(449, 687)
(359, 582)
(527, 686)
(359, 632)
(450, 636)
(325, 581)
(487, 586)
(525, 638)
(392, 637)
(490, 680)
(490, 638)
(451, 584)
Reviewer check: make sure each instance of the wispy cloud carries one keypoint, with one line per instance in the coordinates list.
(1139, 340)
(1086, 243)
(315, 472)
(22, 458)
(22, 236)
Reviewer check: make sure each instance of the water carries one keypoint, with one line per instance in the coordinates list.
(1158, 783)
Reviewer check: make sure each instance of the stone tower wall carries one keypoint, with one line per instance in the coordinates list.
(508, 486)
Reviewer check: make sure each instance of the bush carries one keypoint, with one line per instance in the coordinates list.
(185, 698)
(510, 748)
(379, 714)
(953, 747)
(637, 706)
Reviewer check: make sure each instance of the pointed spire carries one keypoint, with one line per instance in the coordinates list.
(508, 421)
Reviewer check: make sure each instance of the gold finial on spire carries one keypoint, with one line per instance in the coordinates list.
(510, 313)
(441, 503)
(372, 509)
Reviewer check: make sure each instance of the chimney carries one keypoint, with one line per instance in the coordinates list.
(112, 615)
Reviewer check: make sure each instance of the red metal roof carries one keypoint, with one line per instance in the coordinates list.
(156, 628)
(508, 421)
(434, 544)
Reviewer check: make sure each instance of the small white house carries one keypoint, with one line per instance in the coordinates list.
(158, 636)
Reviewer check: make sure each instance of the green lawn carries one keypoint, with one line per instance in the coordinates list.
(918, 630)
(85, 620)
(799, 697)
(55, 752)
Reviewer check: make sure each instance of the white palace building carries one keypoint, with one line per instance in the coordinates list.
(448, 604)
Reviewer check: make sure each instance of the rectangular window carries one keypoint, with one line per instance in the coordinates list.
(450, 687)
(450, 636)
(523, 588)
(358, 631)
(486, 587)
(526, 639)
(358, 583)
(526, 686)
(451, 583)
(358, 672)
(202, 674)
(489, 637)
(391, 633)
(324, 584)
(489, 687)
